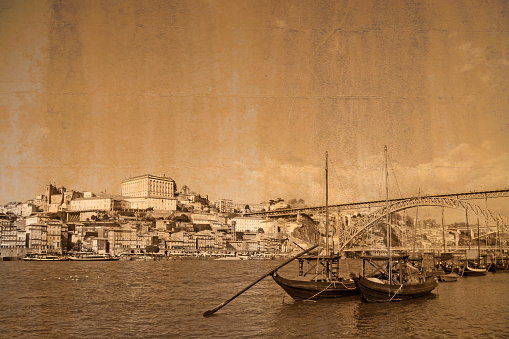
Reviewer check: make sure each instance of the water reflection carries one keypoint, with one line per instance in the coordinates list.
(167, 299)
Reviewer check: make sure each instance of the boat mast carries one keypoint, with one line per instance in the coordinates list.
(478, 242)
(415, 224)
(327, 204)
(498, 245)
(468, 229)
(443, 229)
(387, 214)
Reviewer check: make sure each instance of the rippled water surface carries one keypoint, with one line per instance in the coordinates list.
(166, 299)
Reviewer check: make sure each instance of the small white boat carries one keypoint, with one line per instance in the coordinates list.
(88, 256)
(237, 257)
(44, 257)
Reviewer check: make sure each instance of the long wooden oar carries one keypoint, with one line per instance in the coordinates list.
(215, 309)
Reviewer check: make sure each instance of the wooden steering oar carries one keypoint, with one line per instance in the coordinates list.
(218, 307)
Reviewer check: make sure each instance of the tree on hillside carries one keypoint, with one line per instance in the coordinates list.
(182, 218)
(296, 203)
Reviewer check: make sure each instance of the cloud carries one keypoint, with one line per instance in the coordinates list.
(272, 179)
(464, 168)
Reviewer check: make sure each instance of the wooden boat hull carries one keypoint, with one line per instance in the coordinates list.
(451, 277)
(474, 272)
(501, 268)
(312, 290)
(93, 258)
(372, 291)
(45, 259)
(449, 268)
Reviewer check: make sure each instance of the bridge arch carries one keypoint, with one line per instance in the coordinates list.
(365, 222)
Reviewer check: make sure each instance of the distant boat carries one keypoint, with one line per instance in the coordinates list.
(234, 257)
(474, 272)
(44, 257)
(449, 268)
(501, 267)
(88, 256)
(449, 277)
(229, 258)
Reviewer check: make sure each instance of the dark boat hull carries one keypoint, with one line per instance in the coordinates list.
(372, 291)
(450, 268)
(501, 268)
(473, 272)
(450, 277)
(312, 290)
(93, 259)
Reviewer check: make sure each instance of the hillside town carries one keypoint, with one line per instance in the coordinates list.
(150, 216)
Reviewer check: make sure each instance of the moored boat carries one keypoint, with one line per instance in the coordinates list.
(311, 290)
(499, 267)
(88, 256)
(44, 257)
(449, 277)
(378, 290)
(234, 257)
(399, 278)
(473, 272)
(405, 282)
(229, 258)
(322, 277)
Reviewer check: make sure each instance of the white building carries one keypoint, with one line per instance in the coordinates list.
(224, 205)
(98, 204)
(149, 186)
(246, 224)
(269, 226)
(28, 209)
(159, 204)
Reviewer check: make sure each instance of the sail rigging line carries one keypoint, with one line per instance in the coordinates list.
(399, 289)
(415, 223)
(486, 228)
(340, 182)
(478, 242)
(394, 174)
(468, 228)
(320, 292)
(348, 288)
(387, 214)
(397, 185)
(443, 229)
(327, 207)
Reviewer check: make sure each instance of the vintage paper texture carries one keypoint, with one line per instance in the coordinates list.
(241, 99)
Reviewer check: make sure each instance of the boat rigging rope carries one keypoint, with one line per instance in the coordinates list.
(342, 283)
(399, 289)
(319, 292)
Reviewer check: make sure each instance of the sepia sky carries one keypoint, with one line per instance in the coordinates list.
(241, 99)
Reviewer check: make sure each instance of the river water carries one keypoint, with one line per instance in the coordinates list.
(166, 299)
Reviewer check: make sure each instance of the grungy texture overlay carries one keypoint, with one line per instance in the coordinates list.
(241, 99)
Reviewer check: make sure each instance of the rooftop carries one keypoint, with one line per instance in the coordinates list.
(148, 176)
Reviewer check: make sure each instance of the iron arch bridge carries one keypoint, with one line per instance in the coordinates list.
(365, 222)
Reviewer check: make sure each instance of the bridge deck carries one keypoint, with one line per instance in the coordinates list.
(503, 193)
